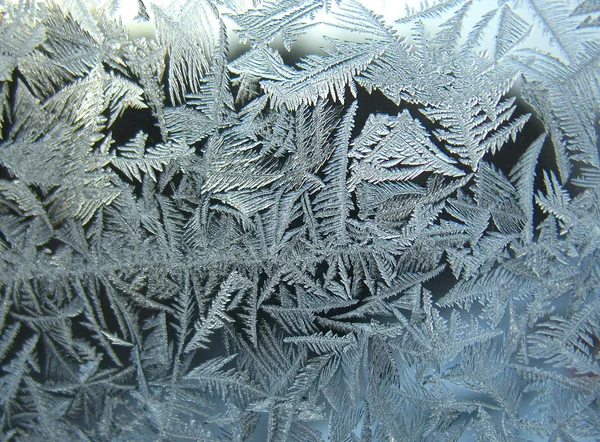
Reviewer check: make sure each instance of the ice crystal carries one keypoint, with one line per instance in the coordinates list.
(394, 237)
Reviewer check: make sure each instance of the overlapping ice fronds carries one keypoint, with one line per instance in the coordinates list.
(394, 238)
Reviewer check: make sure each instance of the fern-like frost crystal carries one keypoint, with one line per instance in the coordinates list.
(218, 232)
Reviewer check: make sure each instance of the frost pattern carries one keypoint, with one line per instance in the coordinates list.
(395, 238)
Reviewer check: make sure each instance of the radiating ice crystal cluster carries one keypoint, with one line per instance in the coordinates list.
(392, 237)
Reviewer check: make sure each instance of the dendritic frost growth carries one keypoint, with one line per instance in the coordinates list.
(395, 237)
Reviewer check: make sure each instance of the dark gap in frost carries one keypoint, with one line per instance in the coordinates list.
(441, 284)
(126, 73)
(133, 121)
(38, 191)
(173, 183)
(296, 54)
(546, 162)
(164, 81)
(354, 209)
(136, 186)
(237, 49)
(509, 154)
(4, 239)
(296, 223)
(52, 245)
(370, 104)
(321, 271)
(5, 173)
(290, 58)
(7, 111)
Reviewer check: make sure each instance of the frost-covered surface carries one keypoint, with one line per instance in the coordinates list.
(380, 239)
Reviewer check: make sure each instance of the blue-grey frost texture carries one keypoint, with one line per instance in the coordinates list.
(394, 237)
